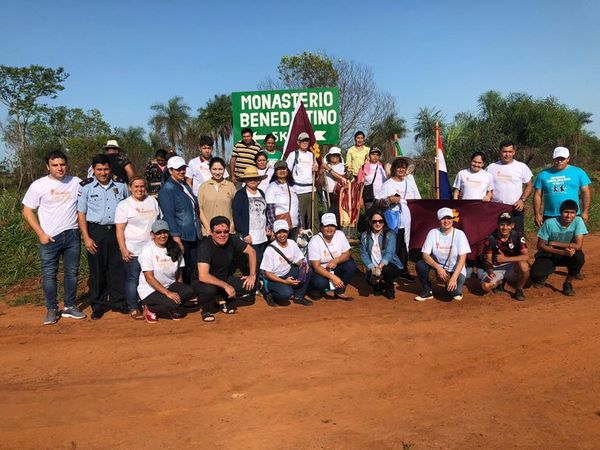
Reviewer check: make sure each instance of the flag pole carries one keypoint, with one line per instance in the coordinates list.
(312, 203)
(437, 161)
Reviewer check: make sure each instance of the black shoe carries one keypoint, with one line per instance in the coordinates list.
(568, 289)
(539, 284)
(579, 276)
(269, 299)
(97, 314)
(519, 295)
(303, 301)
(499, 289)
(407, 277)
(389, 294)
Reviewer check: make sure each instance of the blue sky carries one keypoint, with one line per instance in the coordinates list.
(124, 56)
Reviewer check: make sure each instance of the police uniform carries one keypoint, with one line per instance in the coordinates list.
(106, 280)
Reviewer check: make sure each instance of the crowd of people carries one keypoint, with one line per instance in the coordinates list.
(207, 236)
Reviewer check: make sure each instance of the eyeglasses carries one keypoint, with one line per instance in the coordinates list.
(221, 232)
(180, 169)
(377, 221)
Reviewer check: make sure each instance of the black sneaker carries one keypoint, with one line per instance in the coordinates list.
(269, 300)
(407, 277)
(425, 295)
(568, 289)
(389, 294)
(303, 301)
(499, 289)
(519, 295)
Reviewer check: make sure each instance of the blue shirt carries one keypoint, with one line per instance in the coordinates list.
(99, 204)
(552, 230)
(558, 186)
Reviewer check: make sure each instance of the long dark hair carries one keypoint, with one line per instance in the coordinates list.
(289, 179)
(379, 213)
(173, 249)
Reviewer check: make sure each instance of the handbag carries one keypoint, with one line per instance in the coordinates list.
(302, 266)
(368, 193)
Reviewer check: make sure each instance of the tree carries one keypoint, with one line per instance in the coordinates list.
(20, 90)
(362, 104)
(219, 117)
(382, 134)
(133, 142)
(171, 120)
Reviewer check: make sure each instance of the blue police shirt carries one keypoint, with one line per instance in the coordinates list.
(558, 186)
(99, 204)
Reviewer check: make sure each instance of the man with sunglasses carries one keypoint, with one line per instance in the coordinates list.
(217, 287)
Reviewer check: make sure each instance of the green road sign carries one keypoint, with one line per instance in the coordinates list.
(271, 112)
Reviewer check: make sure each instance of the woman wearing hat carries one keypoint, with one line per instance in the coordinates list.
(134, 217)
(282, 201)
(215, 195)
(161, 286)
(334, 172)
(283, 267)
(445, 251)
(371, 177)
(329, 256)
(250, 212)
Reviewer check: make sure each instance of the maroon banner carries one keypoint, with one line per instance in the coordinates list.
(476, 218)
(300, 124)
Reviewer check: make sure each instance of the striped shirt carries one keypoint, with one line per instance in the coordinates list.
(244, 156)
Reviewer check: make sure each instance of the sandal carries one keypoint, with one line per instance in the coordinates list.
(135, 314)
(207, 317)
(225, 309)
(344, 297)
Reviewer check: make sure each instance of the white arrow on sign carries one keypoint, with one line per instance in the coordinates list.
(320, 135)
(259, 137)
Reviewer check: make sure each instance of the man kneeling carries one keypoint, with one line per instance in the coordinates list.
(506, 258)
(560, 243)
(217, 288)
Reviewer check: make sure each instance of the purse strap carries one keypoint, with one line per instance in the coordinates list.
(326, 246)
(282, 255)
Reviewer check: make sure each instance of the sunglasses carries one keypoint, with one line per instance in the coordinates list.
(221, 232)
(377, 221)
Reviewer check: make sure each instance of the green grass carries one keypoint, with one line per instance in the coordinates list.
(27, 299)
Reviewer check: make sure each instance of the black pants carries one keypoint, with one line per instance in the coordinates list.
(401, 249)
(107, 272)
(209, 294)
(162, 305)
(190, 271)
(386, 282)
(545, 264)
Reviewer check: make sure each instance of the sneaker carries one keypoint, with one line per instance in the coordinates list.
(269, 299)
(303, 301)
(51, 317)
(389, 294)
(425, 295)
(499, 289)
(568, 289)
(407, 277)
(176, 316)
(149, 315)
(538, 285)
(73, 312)
(135, 314)
(457, 298)
(519, 295)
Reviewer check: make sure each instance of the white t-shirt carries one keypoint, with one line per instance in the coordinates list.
(275, 263)
(139, 217)
(257, 218)
(439, 245)
(473, 185)
(302, 171)
(374, 169)
(319, 251)
(277, 194)
(407, 189)
(199, 172)
(56, 202)
(376, 254)
(508, 180)
(154, 258)
(339, 168)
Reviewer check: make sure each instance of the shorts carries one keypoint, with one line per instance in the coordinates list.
(503, 272)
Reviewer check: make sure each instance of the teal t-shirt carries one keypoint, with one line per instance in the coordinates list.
(272, 158)
(552, 230)
(560, 186)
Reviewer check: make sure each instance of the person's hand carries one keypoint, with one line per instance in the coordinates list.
(486, 199)
(126, 255)
(396, 198)
(230, 291)
(291, 281)
(249, 282)
(569, 252)
(331, 265)
(539, 220)
(248, 239)
(519, 205)
(442, 274)
(337, 282)
(90, 245)
(45, 239)
(585, 216)
(315, 167)
(501, 258)
(451, 286)
(178, 242)
(269, 233)
(491, 276)
(174, 296)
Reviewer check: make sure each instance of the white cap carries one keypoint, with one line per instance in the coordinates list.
(279, 225)
(175, 162)
(328, 219)
(560, 152)
(444, 212)
(334, 151)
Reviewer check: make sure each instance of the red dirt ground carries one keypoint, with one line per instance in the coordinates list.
(485, 372)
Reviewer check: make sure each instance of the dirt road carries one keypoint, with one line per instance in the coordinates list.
(485, 372)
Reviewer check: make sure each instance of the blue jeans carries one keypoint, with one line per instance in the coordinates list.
(282, 292)
(423, 270)
(68, 245)
(132, 278)
(344, 271)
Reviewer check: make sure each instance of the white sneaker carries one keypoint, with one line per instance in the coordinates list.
(457, 298)
(427, 295)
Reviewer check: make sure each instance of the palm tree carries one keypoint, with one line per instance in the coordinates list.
(218, 114)
(171, 119)
(382, 133)
(424, 128)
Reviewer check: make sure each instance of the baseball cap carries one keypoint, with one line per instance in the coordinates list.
(560, 152)
(444, 212)
(279, 225)
(160, 225)
(375, 150)
(505, 217)
(303, 136)
(176, 162)
(281, 164)
(328, 219)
